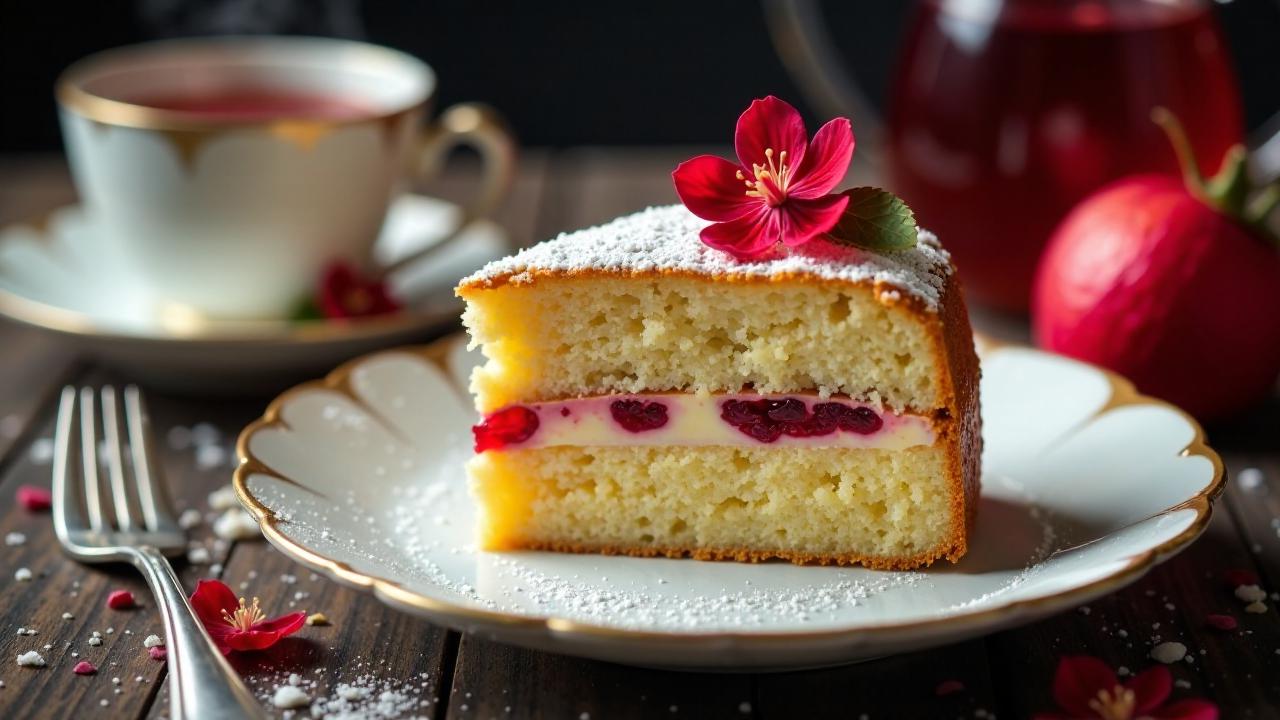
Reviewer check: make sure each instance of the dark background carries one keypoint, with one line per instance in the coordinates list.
(564, 73)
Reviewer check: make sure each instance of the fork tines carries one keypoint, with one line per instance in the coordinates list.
(116, 441)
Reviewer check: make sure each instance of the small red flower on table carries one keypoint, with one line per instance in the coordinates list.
(346, 293)
(779, 191)
(235, 625)
(1086, 687)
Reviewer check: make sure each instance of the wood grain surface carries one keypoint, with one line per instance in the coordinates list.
(1007, 675)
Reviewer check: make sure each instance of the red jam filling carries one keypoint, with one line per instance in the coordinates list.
(505, 427)
(637, 416)
(764, 420)
(767, 420)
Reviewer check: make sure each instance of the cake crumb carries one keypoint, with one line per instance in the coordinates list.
(1169, 652)
(224, 498)
(1251, 593)
(318, 618)
(1257, 607)
(31, 658)
(189, 519)
(151, 641)
(288, 697)
(235, 524)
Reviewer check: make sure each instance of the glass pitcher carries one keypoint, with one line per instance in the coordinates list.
(1003, 114)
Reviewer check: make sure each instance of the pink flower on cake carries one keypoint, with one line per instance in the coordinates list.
(235, 625)
(779, 192)
(1086, 687)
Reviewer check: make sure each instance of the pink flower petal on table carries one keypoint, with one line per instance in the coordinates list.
(33, 498)
(84, 668)
(1151, 688)
(1235, 578)
(948, 687)
(1078, 680)
(121, 600)
(1221, 622)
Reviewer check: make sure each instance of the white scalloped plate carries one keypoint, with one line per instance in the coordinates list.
(1086, 486)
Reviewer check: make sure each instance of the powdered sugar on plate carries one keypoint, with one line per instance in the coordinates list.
(665, 239)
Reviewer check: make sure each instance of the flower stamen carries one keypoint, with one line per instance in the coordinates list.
(1117, 703)
(245, 616)
(777, 172)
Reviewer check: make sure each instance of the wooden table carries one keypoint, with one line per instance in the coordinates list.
(1008, 674)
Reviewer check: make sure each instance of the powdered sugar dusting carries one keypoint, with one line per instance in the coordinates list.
(665, 239)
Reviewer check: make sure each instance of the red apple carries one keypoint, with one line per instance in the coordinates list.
(1173, 283)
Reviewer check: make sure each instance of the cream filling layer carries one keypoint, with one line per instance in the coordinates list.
(695, 420)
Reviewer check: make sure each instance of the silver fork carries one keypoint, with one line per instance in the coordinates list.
(140, 529)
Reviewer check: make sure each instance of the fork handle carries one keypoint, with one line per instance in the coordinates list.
(202, 684)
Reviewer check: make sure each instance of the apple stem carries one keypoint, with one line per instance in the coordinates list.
(1229, 189)
(1181, 147)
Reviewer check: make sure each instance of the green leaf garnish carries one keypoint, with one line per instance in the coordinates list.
(875, 219)
(306, 310)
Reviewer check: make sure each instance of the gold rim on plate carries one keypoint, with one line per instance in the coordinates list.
(1123, 394)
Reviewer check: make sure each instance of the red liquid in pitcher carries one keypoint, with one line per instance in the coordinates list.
(1002, 121)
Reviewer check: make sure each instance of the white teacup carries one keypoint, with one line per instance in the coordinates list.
(226, 172)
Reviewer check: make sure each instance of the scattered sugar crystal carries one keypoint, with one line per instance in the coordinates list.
(1181, 683)
(14, 539)
(224, 498)
(210, 457)
(41, 451)
(1168, 652)
(31, 658)
(179, 437)
(198, 555)
(1251, 593)
(1251, 478)
(152, 641)
(190, 518)
(236, 524)
(203, 433)
(68, 616)
(289, 696)
(295, 679)
(1123, 671)
(22, 575)
(351, 692)
(744, 707)
(95, 641)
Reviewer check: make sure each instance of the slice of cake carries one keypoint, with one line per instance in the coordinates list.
(646, 394)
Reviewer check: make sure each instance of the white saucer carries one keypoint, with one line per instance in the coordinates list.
(55, 276)
(1086, 486)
